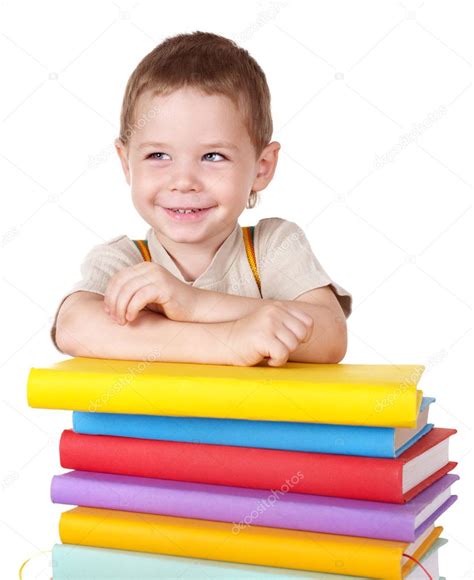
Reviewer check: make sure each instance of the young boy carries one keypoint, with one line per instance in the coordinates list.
(195, 149)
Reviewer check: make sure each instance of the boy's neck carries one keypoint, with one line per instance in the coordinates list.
(193, 259)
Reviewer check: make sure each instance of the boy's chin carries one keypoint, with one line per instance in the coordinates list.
(184, 232)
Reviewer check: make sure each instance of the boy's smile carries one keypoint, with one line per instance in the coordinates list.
(188, 215)
(191, 166)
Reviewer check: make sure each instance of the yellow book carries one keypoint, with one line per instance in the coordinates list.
(343, 394)
(212, 540)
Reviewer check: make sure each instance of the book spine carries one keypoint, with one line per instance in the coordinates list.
(215, 540)
(228, 504)
(291, 471)
(81, 385)
(308, 437)
(74, 562)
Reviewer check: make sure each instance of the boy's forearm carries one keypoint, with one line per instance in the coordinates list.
(211, 306)
(328, 342)
(88, 331)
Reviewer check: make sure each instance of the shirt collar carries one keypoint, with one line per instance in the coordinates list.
(217, 269)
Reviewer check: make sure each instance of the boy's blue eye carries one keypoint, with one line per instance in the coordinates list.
(155, 155)
(214, 153)
(152, 156)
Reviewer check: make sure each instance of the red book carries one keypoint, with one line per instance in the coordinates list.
(372, 478)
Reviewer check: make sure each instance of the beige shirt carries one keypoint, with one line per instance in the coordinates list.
(285, 262)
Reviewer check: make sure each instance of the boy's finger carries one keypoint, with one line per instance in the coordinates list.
(115, 285)
(123, 299)
(302, 326)
(302, 315)
(139, 301)
(124, 296)
(135, 305)
(308, 322)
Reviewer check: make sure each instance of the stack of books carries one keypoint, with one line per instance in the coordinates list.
(207, 471)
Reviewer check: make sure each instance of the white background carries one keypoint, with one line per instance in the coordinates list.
(371, 106)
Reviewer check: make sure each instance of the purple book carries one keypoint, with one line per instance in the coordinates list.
(244, 506)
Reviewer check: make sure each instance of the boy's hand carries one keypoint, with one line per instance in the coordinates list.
(151, 286)
(274, 331)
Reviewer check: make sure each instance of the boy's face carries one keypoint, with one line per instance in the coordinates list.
(173, 161)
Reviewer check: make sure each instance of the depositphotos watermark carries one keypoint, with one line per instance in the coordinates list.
(399, 390)
(267, 503)
(410, 137)
(123, 382)
(97, 159)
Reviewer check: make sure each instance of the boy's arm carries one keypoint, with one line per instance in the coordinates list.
(330, 327)
(84, 329)
(329, 337)
(211, 306)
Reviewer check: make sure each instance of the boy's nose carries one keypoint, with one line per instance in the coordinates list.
(185, 184)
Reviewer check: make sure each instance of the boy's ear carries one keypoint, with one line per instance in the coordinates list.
(123, 156)
(266, 164)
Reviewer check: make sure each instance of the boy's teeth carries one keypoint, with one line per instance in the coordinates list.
(186, 210)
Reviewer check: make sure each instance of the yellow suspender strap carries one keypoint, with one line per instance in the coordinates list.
(142, 245)
(247, 233)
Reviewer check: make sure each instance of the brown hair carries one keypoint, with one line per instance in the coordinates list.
(211, 63)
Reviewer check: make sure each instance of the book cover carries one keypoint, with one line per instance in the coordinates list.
(73, 562)
(254, 545)
(290, 436)
(243, 507)
(342, 394)
(371, 478)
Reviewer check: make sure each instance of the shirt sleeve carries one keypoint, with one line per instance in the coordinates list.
(98, 267)
(288, 266)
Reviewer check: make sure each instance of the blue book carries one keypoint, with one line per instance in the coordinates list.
(74, 562)
(289, 436)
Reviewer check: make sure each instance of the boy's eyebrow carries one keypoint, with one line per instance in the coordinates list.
(220, 144)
